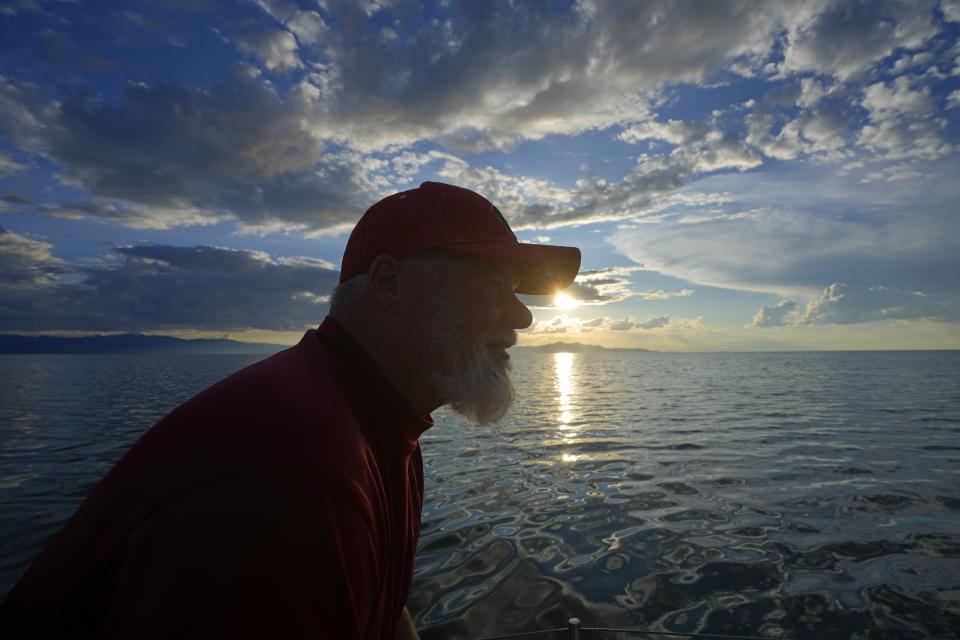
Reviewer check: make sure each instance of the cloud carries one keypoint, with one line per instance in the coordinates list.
(901, 121)
(896, 98)
(901, 171)
(840, 304)
(276, 48)
(812, 91)
(25, 112)
(328, 121)
(161, 287)
(951, 10)
(493, 74)
(893, 234)
(774, 316)
(650, 186)
(26, 262)
(573, 325)
(593, 287)
(676, 132)
(910, 61)
(8, 165)
(165, 156)
(308, 26)
(847, 38)
(953, 100)
(817, 130)
(559, 324)
(700, 148)
(654, 323)
(130, 215)
(661, 294)
(13, 7)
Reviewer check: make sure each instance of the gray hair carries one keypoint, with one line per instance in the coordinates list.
(348, 293)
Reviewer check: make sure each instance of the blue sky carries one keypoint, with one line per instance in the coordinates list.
(738, 175)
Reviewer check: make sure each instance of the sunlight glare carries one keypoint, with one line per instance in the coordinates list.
(565, 301)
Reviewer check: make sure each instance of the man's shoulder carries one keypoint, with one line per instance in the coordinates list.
(305, 375)
(288, 412)
(284, 415)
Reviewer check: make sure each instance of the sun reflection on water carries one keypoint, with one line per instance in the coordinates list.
(569, 431)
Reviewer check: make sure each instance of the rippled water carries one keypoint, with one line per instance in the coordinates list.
(799, 495)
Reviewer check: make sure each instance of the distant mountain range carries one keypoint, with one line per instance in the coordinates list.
(139, 343)
(573, 347)
(130, 343)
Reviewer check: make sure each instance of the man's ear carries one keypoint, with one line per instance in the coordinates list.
(385, 281)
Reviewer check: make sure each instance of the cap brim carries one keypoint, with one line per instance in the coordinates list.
(543, 268)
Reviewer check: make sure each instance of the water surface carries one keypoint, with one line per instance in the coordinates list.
(798, 495)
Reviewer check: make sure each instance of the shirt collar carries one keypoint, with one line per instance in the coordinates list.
(389, 406)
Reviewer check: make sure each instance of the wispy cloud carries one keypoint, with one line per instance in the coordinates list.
(864, 234)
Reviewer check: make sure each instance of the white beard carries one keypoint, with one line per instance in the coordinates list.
(467, 376)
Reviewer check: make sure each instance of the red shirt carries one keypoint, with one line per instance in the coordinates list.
(283, 501)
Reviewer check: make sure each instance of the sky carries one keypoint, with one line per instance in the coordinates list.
(740, 176)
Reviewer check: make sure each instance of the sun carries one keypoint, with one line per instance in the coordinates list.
(565, 301)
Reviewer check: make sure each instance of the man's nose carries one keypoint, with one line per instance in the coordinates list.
(517, 316)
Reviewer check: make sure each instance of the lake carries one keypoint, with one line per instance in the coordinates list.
(793, 495)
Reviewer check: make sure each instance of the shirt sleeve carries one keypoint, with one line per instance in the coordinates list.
(253, 556)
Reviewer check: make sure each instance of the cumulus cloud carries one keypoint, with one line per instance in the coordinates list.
(910, 61)
(654, 323)
(849, 37)
(161, 287)
(308, 26)
(951, 10)
(814, 131)
(677, 132)
(774, 316)
(840, 304)
(492, 74)
(811, 91)
(953, 100)
(700, 148)
(167, 156)
(573, 325)
(328, 121)
(901, 121)
(898, 97)
(276, 48)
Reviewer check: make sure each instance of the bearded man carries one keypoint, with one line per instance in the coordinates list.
(285, 500)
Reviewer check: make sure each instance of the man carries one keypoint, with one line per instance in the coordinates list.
(285, 500)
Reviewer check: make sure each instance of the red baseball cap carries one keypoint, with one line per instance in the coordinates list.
(442, 217)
